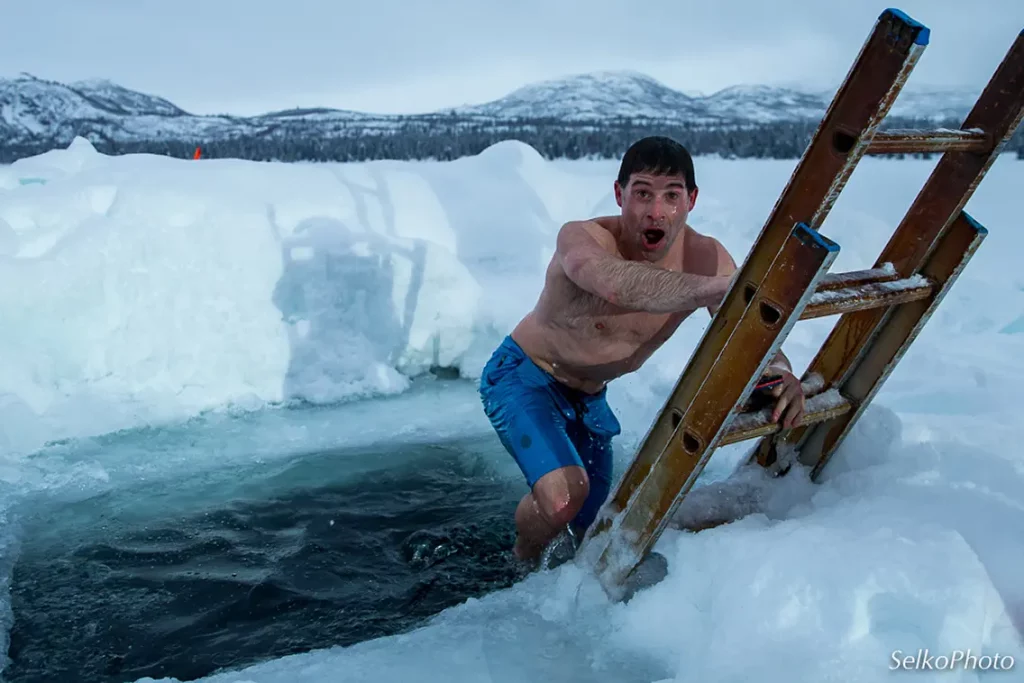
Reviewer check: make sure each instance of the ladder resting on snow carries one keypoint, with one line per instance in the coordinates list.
(785, 279)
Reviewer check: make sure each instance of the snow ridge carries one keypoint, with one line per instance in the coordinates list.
(32, 108)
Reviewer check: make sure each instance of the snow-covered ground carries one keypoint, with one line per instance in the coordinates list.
(142, 290)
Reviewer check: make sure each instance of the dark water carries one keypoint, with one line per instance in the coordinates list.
(263, 576)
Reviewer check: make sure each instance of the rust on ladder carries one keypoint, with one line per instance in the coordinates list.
(900, 141)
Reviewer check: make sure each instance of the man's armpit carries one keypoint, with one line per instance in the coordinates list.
(726, 264)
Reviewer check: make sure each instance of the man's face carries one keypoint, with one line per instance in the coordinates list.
(654, 212)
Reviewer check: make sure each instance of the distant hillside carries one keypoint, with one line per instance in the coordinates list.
(596, 114)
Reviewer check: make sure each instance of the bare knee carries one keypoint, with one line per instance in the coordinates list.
(561, 494)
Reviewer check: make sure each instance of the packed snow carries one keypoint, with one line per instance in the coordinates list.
(140, 291)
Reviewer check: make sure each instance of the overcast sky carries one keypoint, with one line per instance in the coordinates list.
(251, 56)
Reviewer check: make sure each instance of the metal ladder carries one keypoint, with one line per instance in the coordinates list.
(785, 279)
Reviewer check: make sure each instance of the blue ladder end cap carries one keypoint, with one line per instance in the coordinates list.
(809, 234)
(925, 33)
(978, 227)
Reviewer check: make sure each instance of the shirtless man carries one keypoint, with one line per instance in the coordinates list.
(615, 290)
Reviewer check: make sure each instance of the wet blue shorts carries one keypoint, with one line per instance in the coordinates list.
(546, 425)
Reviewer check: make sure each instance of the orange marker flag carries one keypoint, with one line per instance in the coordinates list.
(197, 154)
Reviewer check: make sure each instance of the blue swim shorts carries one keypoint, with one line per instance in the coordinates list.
(546, 425)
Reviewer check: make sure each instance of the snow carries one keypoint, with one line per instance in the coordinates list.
(32, 108)
(598, 96)
(764, 104)
(833, 280)
(144, 291)
(116, 98)
(856, 292)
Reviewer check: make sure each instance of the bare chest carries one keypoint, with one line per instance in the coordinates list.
(593, 317)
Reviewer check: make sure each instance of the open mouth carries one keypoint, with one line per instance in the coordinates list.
(652, 237)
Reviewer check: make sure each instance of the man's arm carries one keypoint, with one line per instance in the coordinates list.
(587, 254)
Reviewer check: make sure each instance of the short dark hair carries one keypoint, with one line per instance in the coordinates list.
(660, 155)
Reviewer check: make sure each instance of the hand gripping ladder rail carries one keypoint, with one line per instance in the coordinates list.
(785, 278)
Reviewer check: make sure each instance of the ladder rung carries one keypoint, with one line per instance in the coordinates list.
(854, 278)
(874, 294)
(817, 408)
(910, 141)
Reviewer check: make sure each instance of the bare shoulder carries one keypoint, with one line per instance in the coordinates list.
(610, 224)
(579, 246)
(593, 233)
(705, 255)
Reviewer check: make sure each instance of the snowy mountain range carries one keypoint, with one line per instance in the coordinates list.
(32, 109)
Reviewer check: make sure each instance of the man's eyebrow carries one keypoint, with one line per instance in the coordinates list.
(674, 183)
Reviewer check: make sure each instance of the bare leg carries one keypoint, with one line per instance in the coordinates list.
(534, 532)
(544, 512)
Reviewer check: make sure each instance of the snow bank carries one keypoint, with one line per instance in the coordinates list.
(143, 289)
(140, 289)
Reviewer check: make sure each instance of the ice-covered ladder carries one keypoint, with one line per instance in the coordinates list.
(785, 279)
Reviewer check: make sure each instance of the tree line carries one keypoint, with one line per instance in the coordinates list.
(447, 137)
